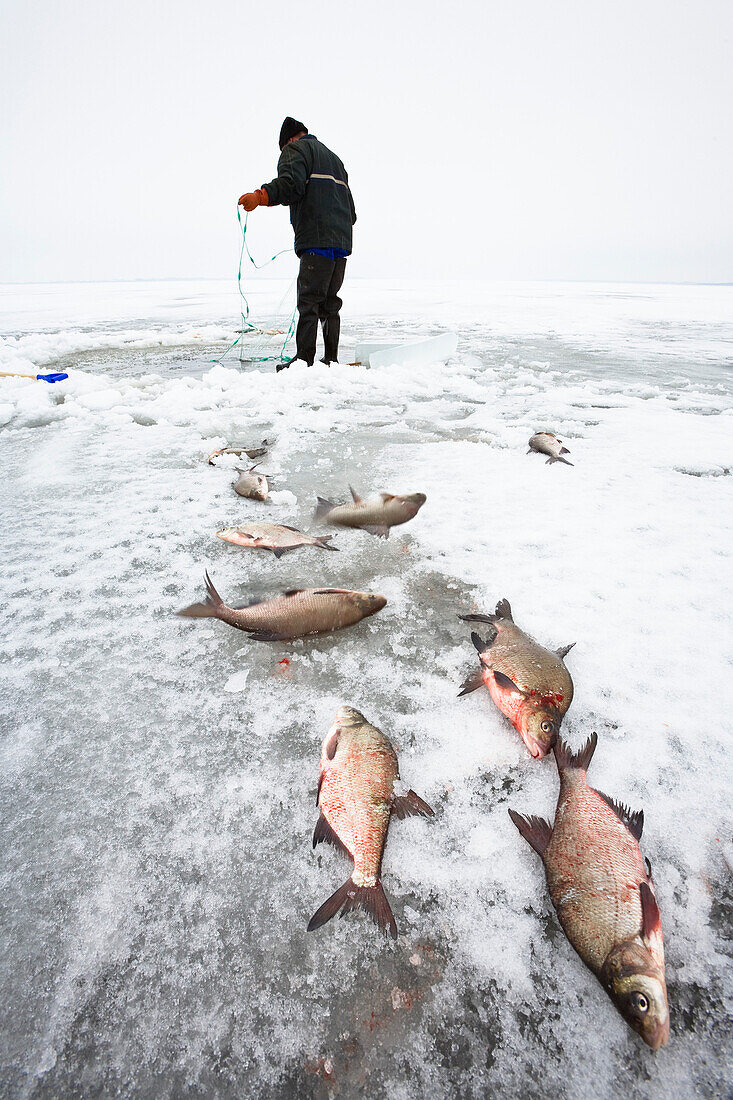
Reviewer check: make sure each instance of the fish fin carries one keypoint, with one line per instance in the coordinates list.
(550, 460)
(504, 610)
(386, 497)
(490, 634)
(209, 609)
(326, 591)
(323, 508)
(324, 832)
(650, 876)
(632, 819)
(566, 758)
(505, 682)
(293, 529)
(292, 591)
(411, 805)
(651, 920)
(564, 450)
(563, 651)
(479, 644)
(331, 745)
(269, 636)
(377, 529)
(473, 680)
(354, 496)
(278, 551)
(320, 784)
(324, 541)
(350, 896)
(535, 830)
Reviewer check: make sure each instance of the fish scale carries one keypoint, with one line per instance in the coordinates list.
(356, 797)
(593, 854)
(532, 667)
(603, 893)
(355, 800)
(293, 615)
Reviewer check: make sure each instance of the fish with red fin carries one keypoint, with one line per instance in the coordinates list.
(603, 893)
(358, 792)
(528, 683)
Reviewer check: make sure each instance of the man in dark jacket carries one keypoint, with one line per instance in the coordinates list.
(312, 181)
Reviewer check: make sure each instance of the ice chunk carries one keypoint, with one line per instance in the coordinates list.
(421, 353)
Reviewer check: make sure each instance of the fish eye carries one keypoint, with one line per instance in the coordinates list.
(639, 1002)
(546, 726)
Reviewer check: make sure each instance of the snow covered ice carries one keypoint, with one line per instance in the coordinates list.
(158, 775)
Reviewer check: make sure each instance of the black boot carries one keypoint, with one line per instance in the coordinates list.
(289, 363)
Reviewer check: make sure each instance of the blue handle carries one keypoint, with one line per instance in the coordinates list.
(51, 377)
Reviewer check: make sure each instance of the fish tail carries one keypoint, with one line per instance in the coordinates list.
(211, 608)
(350, 896)
(558, 458)
(325, 542)
(323, 508)
(566, 758)
(503, 611)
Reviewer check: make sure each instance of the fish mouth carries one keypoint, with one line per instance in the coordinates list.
(536, 750)
(659, 1037)
(370, 604)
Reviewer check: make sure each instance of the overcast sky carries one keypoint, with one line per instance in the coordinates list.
(535, 139)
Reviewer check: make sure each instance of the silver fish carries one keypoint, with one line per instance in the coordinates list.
(273, 536)
(250, 452)
(251, 485)
(545, 443)
(375, 515)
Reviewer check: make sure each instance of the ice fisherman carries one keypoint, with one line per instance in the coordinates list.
(312, 181)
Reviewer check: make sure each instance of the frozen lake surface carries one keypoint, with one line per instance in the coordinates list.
(158, 775)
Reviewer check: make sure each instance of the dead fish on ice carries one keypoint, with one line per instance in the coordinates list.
(358, 792)
(273, 536)
(545, 443)
(298, 612)
(375, 515)
(603, 893)
(528, 683)
(251, 485)
(250, 452)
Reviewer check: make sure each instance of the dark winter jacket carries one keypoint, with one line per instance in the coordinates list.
(312, 181)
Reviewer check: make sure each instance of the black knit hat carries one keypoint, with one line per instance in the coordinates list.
(289, 129)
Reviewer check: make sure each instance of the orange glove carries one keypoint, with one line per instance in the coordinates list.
(252, 199)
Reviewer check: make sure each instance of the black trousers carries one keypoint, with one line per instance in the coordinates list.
(319, 282)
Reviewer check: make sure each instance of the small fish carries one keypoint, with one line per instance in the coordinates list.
(358, 791)
(273, 536)
(298, 612)
(251, 485)
(603, 893)
(528, 683)
(375, 515)
(545, 443)
(250, 452)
